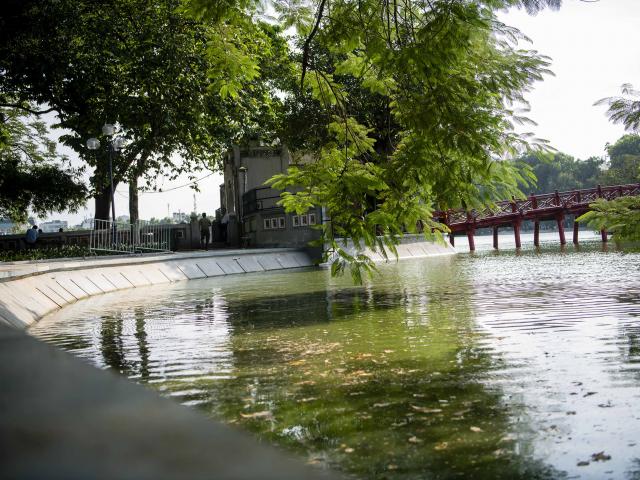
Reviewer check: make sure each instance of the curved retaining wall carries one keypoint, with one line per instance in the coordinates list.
(31, 290)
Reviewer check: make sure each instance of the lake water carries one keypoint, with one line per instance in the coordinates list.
(486, 365)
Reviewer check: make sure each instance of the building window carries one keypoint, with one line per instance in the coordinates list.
(304, 220)
(274, 223)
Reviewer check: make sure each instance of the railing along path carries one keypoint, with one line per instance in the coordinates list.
(548, 206)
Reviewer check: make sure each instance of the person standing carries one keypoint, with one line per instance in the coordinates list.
(205, 231)
(31, 237)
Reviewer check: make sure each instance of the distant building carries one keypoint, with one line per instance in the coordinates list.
(7, 227)
(87, 224)
(250, 209)
(180, 217)
(53, 226)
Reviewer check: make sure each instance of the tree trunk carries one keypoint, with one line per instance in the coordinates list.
(134, 213)
(103, 203)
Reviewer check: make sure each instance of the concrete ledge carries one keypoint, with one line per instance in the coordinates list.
(63, 419)
(411, 246)
(30, 291)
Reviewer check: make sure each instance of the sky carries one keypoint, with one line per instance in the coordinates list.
(594, 49)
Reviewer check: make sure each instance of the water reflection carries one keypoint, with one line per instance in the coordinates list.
(492, 365)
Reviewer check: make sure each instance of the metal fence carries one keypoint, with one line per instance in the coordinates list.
(122, 237)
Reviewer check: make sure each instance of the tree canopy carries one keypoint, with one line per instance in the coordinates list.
(144, 65)
(33, 176)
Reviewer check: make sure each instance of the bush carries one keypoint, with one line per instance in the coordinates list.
(65, 251)
(621, 217)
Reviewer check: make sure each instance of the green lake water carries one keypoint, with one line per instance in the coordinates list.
(488, 365)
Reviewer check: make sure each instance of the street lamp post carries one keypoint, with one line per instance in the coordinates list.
(114, 144)
(243, 171)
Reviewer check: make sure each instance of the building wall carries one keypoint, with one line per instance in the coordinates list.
(285, 230)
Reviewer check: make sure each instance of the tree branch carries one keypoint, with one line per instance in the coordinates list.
(307, 43)
(26, 109)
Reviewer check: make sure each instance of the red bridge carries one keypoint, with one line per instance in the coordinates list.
(548, 206)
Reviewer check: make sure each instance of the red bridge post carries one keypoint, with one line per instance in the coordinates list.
(576, 225)
(495, 237)
(516, 233)
(447, 222)
(472, 242)
(471, 231)
(536, 222)
(560, 221)
(516, 222)
(603, 232)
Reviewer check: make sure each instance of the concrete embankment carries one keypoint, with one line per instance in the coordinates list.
(31, 290)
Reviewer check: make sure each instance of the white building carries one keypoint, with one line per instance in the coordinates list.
(53, 226)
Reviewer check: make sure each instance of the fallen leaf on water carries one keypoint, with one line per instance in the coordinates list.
(297, 362)
(605, 405)
(600, 457)
(426, 410)
(571, 412)
(459, 413)
(476, 429)
(441, 446)
(306, 382)
(264, 414)
(414, 439)
(582, 463)
(588, 394)
(381, 405)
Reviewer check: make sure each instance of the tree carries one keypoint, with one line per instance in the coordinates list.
(33, 176)
(143, 64)
(620, 217)
(562, 172)
(624, 109)
(624, 161)
(449, 74)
